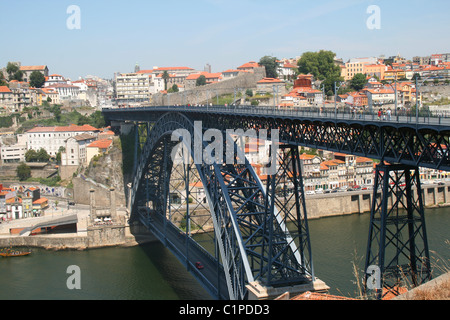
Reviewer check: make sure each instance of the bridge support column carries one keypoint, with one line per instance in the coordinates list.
(397, 251)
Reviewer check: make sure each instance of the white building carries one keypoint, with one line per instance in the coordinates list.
(76, 153)
(66, 91)
(53, 138)
(54, 79)
(132, 87)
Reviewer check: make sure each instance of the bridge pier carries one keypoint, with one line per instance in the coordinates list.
(258, 291)
(397, 251)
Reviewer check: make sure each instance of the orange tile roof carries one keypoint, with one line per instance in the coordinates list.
(251, 64)
(31, 68)
(71, 128)
(40, 201)
(207, 75)
(270, 80)
(101, 144)
(319, 296)
(5, 89)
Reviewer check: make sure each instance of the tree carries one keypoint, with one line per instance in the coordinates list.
(165, 77)
(37, 79)
(271, 65)
(14, 72)
(358, 82)
(2, 80)
(42, 155)
(321, 65)
(31, 156)
(23, 172)
(201, 81)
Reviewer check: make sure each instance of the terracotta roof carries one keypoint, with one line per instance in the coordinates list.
(270, 80)
(41, 200)
(363, 159)
(206, 74)
(251, 64)
(101, 144)
(4, 89)
(71, 128)
(32, 68)
(319, 296)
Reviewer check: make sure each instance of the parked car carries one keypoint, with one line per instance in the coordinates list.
(310, 192)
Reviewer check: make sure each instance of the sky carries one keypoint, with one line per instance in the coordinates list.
(115, 35)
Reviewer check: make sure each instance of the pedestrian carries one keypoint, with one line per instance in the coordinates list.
(379, 114)
(389, 114)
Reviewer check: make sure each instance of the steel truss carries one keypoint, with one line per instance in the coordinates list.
(260, 236)
(396, 143)
(397, 250)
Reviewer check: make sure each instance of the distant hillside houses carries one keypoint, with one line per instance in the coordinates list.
(56, 90)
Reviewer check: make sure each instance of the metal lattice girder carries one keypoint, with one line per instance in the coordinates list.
(397, 246)
(238, 204)
(417, 144)
(286, 246)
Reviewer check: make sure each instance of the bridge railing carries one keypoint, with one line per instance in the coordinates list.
(400, 115)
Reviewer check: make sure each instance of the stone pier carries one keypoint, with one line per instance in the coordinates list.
(257, 291)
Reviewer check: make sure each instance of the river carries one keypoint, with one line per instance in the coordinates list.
(151, 272)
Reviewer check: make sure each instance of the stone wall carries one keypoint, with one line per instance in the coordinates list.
(209, 92)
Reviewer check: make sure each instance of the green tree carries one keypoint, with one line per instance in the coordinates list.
(201, 81)
(271, 65)
(2, 79)
(42, 155)
(14, 72)
(322, 66)
(31, 155)
(358, 82)
(165, 77)
(37, 79)
(23, 172)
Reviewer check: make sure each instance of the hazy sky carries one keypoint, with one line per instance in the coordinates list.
(115, 35)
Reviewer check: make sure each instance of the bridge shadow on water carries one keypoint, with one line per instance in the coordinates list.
(173, 272)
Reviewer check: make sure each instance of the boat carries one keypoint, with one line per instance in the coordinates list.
(12, 253)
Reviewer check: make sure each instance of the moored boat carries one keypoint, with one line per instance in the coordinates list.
(13, 253)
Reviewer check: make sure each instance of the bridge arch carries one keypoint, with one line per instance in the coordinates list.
(238, 203)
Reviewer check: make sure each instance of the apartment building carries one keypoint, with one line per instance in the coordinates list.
(132, 87)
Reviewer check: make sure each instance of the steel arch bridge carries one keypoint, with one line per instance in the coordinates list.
(260, 232)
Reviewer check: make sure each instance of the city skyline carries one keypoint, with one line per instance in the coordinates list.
(114, 36)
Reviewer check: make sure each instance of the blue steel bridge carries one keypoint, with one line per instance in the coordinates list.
(260, 229)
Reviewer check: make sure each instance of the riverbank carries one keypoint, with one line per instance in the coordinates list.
(122, 234)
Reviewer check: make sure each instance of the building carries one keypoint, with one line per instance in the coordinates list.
(51, 139)
(54, 79)
(249, 66)
(6, 99)
(28, 70)
(96, 148)
(66, 91)
(132, 87)
(75, 153)
(191, 80)
(13, 153)
(272, 86)
(286, 70)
